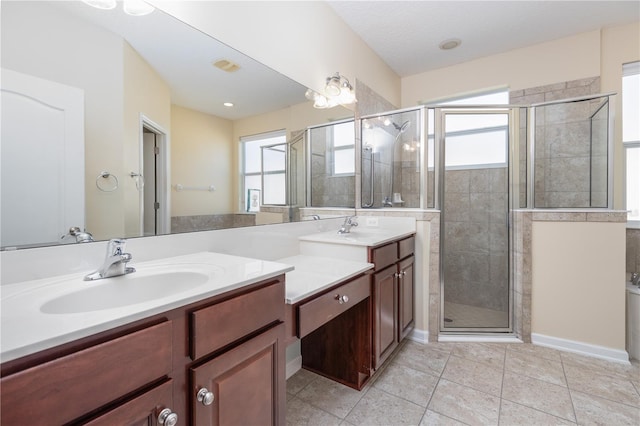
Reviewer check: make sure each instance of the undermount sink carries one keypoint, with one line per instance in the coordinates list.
(131, 289)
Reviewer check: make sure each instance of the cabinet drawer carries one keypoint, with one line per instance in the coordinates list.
(384, 256)
(218, 325)
(71, 386)
(406, 247)
(324, 308)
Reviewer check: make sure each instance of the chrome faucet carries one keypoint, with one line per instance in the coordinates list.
(115, 262)
(349, 222)
(635, 278)
(387, 202)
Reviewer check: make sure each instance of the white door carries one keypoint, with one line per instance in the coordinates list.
(42, 159)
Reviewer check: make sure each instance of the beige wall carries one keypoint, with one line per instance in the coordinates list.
(304, 40)
(201, 155)
(566, 59)
(619, 45)
(145, 93)
(74, 53)
(578, 288)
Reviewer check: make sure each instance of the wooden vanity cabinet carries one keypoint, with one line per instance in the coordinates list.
(335, 331)
(393, 296)
(130, 375)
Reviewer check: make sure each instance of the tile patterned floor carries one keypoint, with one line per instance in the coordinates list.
(474, 383)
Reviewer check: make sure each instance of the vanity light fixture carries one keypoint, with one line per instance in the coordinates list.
(130, 7)
(101, 4)
(137, 7)
(337, 91)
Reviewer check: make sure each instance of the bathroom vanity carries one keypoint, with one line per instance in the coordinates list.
(218, 360)
(348, 329)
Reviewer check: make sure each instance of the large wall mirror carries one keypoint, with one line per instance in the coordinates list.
(153, 128)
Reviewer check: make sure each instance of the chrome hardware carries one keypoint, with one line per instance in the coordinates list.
(205, 396)
(404, 273)
(349, 222)
(342, 299)
(635, 278)
(167, 417)
(115, 262)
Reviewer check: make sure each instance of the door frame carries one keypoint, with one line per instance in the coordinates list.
(163, 183)
(512, 147)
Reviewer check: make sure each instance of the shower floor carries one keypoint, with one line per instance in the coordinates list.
(458, 315)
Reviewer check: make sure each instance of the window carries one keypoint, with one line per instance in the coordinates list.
(264, 160)
(631, 138)
(473, 140)
(343, 145)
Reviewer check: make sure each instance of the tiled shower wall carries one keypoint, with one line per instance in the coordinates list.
(476, 238)
(570, 166)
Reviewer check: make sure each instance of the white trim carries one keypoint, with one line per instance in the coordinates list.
(420, 336)
(293, 366)
(631, 68)
(588, 349)
(480, 338)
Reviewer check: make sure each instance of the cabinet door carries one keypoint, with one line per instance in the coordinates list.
(140, 411)
(247, 384)
(405, 297)
(385, 328)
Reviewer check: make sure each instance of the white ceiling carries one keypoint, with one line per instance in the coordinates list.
(406, 34)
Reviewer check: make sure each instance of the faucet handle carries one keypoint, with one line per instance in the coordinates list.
(116, 246)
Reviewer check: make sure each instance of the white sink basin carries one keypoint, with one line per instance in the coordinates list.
(130, 289)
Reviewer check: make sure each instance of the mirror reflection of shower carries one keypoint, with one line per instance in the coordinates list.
(391, 152)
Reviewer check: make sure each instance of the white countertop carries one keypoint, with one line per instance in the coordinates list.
(313, 274)
(359, 236)
(26, 329)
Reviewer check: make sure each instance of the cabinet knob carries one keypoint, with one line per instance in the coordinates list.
(205, 396)
(342, 299)
(396, 275)
(404, 273)
(167, 417)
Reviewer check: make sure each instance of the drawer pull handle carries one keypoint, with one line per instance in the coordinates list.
(205, 396)
(167, 417)
(342, 299)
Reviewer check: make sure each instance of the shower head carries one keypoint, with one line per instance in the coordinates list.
(403, 127)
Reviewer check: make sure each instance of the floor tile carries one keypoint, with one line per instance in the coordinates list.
(610, 368)
(380, 408)
(536, 367)
(538, 394)
(431, 418)
(531, 349)
(330, 396)
(407, 383)
(465, 404)
(516, 414)
(303, 413)
(299, 380)
(474, 375)
(491, 354)
(593, 382)
(592, 410)
(422, 358)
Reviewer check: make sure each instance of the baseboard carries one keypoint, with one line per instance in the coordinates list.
(420, 336)
(596, 351)
(293, 366)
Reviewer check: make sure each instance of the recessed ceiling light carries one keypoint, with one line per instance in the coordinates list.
(226, 65)
(451, 43)
(228, 104)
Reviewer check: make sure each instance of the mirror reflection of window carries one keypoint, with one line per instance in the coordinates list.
(254, 166)
(344, 151)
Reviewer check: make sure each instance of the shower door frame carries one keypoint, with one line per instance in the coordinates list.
(440, 113)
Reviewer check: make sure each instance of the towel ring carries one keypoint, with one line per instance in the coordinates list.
(107, 175)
